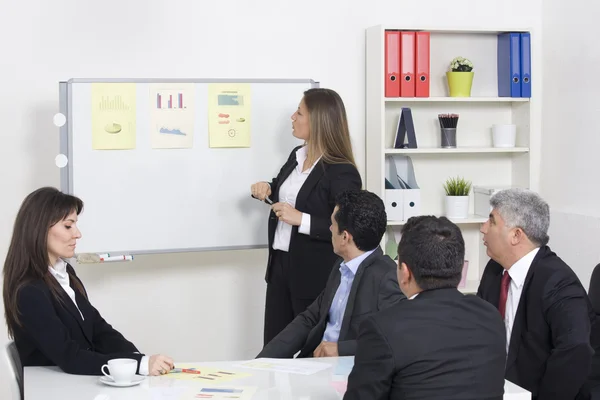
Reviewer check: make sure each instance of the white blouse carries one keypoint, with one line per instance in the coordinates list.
(288, 192)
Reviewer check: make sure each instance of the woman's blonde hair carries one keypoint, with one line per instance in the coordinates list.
(329, 133)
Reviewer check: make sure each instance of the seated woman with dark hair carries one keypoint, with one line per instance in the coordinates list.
(47, 310)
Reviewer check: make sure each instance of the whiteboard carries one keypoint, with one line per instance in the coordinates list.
(146, 200)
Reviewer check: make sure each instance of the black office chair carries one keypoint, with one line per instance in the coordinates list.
(15, 369)
(594, 290)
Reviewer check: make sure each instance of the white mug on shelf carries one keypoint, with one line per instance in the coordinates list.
(504, 135)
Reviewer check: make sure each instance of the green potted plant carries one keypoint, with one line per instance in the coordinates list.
(460, 77)
(457, 197)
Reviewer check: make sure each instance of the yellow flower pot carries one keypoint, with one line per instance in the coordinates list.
(459, 83)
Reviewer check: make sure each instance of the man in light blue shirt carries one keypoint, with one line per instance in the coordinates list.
(338, 306)
(362, 282)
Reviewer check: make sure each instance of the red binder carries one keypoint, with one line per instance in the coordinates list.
(407, 64)
(422, 64)
(392, 64)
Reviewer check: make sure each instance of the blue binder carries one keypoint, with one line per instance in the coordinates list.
(525, 65)
(509, 65)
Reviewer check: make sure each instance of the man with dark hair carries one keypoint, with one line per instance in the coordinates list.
(440, 344)
(361, 283)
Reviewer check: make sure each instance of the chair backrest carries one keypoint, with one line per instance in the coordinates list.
(15, 369)
(594, 289)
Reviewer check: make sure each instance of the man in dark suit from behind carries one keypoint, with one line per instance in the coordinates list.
(440, 344)
(362, 282)
(546, 311)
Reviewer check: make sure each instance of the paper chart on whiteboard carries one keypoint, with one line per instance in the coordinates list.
(172, 115)
(229, 110)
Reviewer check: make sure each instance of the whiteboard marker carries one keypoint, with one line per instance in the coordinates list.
(104, 255)
(117, 258)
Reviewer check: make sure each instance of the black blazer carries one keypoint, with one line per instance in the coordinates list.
(312, 256)
(549, 351)
(594, 296)
(375, 287)
(440, 345)
(55, 334)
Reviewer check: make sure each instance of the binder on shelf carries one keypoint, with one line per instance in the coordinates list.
(509, 65)
(392, 64)
(405, 130)
(407, 64)
(404, 201)
(525, 64)
(422, 65)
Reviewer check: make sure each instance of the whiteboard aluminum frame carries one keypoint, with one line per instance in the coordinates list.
(66, 134)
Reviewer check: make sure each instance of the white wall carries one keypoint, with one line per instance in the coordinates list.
(205, 306)
(570, 131)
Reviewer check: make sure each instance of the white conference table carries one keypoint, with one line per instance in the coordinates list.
(49, 383)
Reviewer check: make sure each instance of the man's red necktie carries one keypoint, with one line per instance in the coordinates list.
(504, 285)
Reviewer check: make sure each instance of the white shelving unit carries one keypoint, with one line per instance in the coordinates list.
(474, 158)
(455, 99)
(461, 150)
(472, 219)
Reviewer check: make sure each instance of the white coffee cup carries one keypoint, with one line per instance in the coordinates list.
(121, 370)
(504, 135)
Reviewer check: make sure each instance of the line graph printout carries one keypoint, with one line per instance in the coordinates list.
(172, 115)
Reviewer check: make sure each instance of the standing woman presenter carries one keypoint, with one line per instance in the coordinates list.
(303, 197)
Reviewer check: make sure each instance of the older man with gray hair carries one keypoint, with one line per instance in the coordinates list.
(546, 311)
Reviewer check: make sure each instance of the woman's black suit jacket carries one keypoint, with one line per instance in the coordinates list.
(312, 256)
(53, 332)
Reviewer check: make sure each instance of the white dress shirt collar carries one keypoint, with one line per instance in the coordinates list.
(59, 271)
(518, 271)
(301, 155)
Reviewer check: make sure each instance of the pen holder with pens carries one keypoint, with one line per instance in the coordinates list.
(448, 123)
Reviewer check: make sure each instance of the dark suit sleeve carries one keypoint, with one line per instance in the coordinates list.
(569, 363)
(389, 291)
(346, 348)
(347, 178)
(275, 181)
(291, 340)
(388, 295)
(482, 284)
(107, 339)
(372, 375)
(52, 337)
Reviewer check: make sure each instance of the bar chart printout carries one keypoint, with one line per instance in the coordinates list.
(171, 113)
(113, 116)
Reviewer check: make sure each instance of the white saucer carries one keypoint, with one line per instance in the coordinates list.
(137, 379)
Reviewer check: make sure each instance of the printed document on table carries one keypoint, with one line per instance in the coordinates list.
(291, 366)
